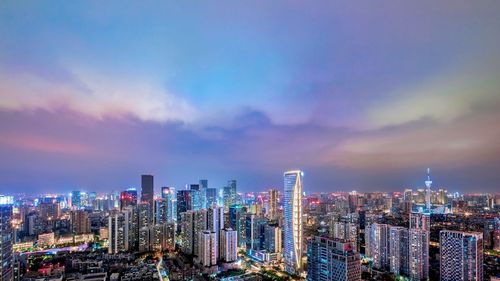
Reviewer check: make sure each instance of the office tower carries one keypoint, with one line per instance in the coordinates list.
(273, 204)
(199, 225)
(128, 198)
(418, 254)
(229, 245)
(80, 222)
(203, 193)
(168, 193)
(117, 233)
(420, 221)
(398, 250)
(183, 202)
(292, 204)
(237, 219)
(6, 238)
(378, 245)
(215, 223)
(50, 210)
(273, 239)
(196, 200)
(170, 236)
(187, 232)
(161, 209)
(461, 255)
(147, 193)
(211, 195)
(76, 200)
(332, 260)
(254, 232)
(230, 194)
(144, 212)
(347, 231)
(208, 248)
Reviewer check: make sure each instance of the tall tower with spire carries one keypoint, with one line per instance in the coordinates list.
(428, 184)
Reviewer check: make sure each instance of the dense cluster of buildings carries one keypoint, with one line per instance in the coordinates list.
(327, 236)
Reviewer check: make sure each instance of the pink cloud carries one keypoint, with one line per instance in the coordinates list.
(44, 144)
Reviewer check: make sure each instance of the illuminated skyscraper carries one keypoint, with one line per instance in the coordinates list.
(161, 211)
(128, 198)
(420, 221)
(168, 193)
(203, 193)
(230, 195)
(211, 197)
(332, 260)
(347, 231)
(118, 233)
(378, 245)
(273, 204)
(229, 245)
(208, 248)
(215, 223)
(292, 206)
(398, 250)
(6, 238)
(76, 200)
(461, 255)
(419, 254)
(183, 202)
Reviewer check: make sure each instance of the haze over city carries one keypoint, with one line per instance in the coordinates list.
(362, 95)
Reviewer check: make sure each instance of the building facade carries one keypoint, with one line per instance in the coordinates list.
(292, 205)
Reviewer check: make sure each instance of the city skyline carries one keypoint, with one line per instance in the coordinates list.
(373, 93)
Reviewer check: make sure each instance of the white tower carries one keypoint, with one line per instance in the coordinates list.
(428, 184)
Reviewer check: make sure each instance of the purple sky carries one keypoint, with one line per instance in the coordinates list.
(360, 94)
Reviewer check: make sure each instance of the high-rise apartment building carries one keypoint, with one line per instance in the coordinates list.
(229, 245)
(347, 231)
(292, 205)
(378, 245)
(461, 255)
(161, 211)
(398, 250)
(419, 254)
(117, 233)
(187, 232)
(208, 248)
